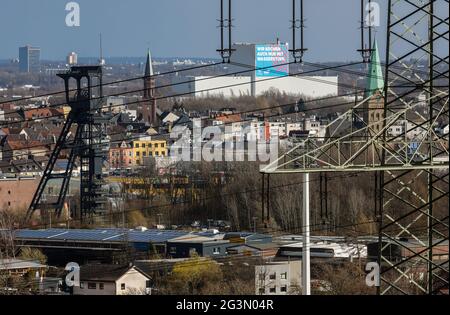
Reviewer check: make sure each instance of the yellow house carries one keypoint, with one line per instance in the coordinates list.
(146, 147)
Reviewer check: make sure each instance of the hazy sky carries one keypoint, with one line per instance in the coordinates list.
(176, 27)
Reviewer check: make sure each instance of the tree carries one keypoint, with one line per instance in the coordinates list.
(33, 254)
(344, 279)
(194, 276)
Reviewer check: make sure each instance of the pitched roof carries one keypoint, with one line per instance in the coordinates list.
(149, 64)
(25, 145)
(103, 272)
(229, 118)
(13, 263)
(184, 120)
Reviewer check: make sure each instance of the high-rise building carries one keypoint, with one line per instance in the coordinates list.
(72, 59)
(30, 59)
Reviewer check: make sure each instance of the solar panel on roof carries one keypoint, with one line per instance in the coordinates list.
(105, 235)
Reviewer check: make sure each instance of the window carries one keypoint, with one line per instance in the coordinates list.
(216, 250)
(283, 288)
(101, 286)
(138, 153)
(92, 285)
(143, 145)
(163, 145)
(81, 285)
(262, 291)
(173, 250)
(144, 153)
(273, 290)
(156, 145)
(122, 286)
(283, 276)
(136, 145)
(273, 276)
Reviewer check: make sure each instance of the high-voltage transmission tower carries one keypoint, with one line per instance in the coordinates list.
(402, 139)
(83, 140)
(366, 50)
(298, 24)
(413, 201)
(225, 49)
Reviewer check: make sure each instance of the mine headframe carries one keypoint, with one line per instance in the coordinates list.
(88, 147)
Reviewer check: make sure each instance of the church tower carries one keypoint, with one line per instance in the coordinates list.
(149, 110)
(374, 108)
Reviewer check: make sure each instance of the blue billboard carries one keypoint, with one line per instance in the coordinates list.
(271, 60)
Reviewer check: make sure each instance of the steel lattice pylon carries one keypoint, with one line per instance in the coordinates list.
(413, 203)
(397, 132)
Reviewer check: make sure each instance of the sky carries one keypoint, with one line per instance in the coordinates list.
(176, 28)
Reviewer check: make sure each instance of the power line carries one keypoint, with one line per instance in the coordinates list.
(113, 82)
(226, 123)
(252, 68)
(201, 199)
(181, 124)
(180, 94)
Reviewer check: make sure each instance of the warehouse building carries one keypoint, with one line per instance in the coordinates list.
(268, 70)
(97, 245)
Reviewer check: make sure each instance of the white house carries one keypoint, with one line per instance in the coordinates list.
(112, 280)
(278, 277)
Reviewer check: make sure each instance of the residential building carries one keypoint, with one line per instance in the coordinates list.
(121, 156)
(168, 117)
(112, 280)
(20, 149)
(146, 147)
(312, 124)
(17, 193)
(278, 277)
(114, 104)
(401, 127)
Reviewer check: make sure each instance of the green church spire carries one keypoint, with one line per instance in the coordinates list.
(375, 81)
